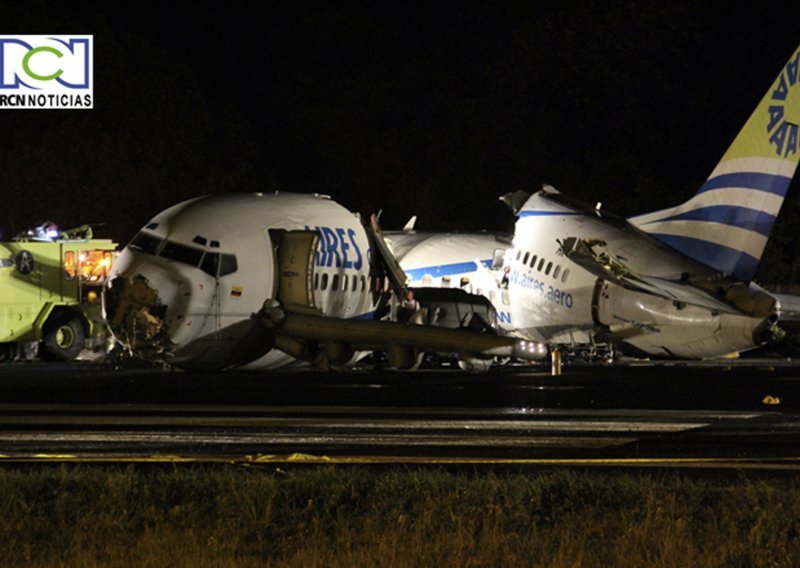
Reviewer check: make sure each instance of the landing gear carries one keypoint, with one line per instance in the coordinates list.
(588, 354)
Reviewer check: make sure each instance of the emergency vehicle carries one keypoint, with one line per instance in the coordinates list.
(50, 292)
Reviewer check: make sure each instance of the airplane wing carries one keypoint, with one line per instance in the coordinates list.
(327, 341)
(300, 329)
(293, 324)
(594, 256)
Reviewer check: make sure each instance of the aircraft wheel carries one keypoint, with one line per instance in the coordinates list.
(63, 339)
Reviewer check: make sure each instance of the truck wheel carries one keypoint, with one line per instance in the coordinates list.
(63, 339)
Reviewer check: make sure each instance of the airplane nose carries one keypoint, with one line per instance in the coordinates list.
(135, 307)
(133, 313)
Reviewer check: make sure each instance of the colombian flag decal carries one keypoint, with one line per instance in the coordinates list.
(236, 291)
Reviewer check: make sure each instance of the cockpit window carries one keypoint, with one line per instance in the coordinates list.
(145, 243)
(227, 264)
(181, 253)
(210, 263)
(223, 264)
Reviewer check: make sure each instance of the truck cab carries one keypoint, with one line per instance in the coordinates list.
(50, 290)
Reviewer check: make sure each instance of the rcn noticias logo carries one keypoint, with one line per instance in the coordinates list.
(46, 72)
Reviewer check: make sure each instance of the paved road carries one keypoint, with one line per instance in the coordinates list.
(743, 414)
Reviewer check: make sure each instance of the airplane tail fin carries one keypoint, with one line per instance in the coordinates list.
(726, 224)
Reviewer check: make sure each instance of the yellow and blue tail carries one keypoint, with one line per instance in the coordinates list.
(726, 224)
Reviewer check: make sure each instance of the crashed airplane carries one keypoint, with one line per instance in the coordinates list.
(265, 280)
(673, 283)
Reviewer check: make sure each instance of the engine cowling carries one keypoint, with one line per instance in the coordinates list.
(642, 323)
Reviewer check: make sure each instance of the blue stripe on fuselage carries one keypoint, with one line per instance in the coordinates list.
(445, 269)
(365, 316)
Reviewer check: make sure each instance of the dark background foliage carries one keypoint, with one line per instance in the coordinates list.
(433, 109)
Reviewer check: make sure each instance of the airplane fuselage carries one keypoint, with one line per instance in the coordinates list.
(673, 282)
(203, 266)
(555, 300)
(268, 280)
(549, 298)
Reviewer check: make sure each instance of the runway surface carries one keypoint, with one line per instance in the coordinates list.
(743, 414)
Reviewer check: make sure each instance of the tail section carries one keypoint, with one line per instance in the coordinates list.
(726, 224)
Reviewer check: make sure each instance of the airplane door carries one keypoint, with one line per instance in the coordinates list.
(396, 275)
(294, 252)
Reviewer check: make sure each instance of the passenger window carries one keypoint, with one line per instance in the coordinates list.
(344, 283)
(519, 254)
(363, 283)
(505, 297)
(335, 282)
(533, 260)
(557, 271)
(541, 265)
(324, 281)
(565, 275)
(228, 264)
(355, 282)
(548, 269)
(525, 258)
(492, 295)
(316, 281)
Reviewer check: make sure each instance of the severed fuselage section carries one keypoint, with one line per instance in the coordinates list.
(266, 280)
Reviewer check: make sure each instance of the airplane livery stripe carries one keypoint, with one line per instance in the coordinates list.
(729, 236)
(445, 269)
(760, 164)
(732, 196)
(741, 217)
(720, 257)
(752, 180)
(366, 315)
(740, 197)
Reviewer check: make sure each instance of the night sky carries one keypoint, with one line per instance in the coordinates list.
(433, 110)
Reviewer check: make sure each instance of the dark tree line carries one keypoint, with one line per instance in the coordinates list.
(432, 110)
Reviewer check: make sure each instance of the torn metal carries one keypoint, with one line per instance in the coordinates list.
(135, 315)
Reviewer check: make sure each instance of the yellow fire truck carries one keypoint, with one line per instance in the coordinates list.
(50, 287)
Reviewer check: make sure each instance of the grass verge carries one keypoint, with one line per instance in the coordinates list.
(336, 516)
